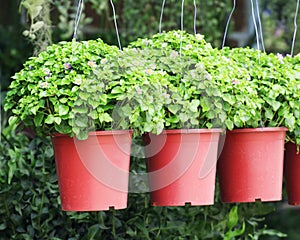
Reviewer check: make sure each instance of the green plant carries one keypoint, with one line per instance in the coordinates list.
(76, 87)
(248, 88)
(43, 94)
(224, 102)
(151, 90)
(292, 94)
(276, 81)
(187, 89)
(124, 94)
(194, 100)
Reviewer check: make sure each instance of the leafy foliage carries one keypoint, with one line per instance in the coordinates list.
(44, 91)
(250, 88)
(276, 82)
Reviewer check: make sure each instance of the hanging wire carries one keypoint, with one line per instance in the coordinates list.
(195, 17)
(228, 21)
(181, 27)
(260, 26)
(255, 25)
(161, 15)
(77, 17)
(295, 31)
(116, 24)
(182, 15)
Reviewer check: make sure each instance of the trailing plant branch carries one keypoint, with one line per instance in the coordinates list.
(39, 31)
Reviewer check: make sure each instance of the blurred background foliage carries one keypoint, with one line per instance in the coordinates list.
(29, 199)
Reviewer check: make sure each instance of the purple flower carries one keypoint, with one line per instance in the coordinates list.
(47, 72)
(44, 84)
(67, 66)
(235, 81)
(146, 42)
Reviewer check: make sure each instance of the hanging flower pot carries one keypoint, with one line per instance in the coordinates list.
(292, 170)
(181, 166)
(250, 166)
(93, 173)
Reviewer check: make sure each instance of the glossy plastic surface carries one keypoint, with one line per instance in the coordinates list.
(250, 167)
(181, 166)
(93, 173)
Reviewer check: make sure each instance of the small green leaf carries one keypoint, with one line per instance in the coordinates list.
(173, 108)
(229, 124)
(37, 26)
(34, 109)
(276, 105)
(81, 121)
(269, 114)
(63, 110)
(84, 95)
(63, 128)
(80, 109)
(233, 218)
(148, 127)
(12, 120)
(38, 119)
(82, 135)
(49, 119)
(57, 120)
(117, 90)
(194, 105)
(8, 105)
(105, 117)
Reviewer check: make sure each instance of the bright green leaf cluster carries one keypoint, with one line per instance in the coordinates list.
(172, 80)
(249, 88)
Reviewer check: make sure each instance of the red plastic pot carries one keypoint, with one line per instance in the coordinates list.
(93, 174)
(181, 166)
(292, 173)
(250, 166)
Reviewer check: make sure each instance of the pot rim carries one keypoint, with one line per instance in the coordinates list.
(191, 130)
(260, 129)
(99, 133)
